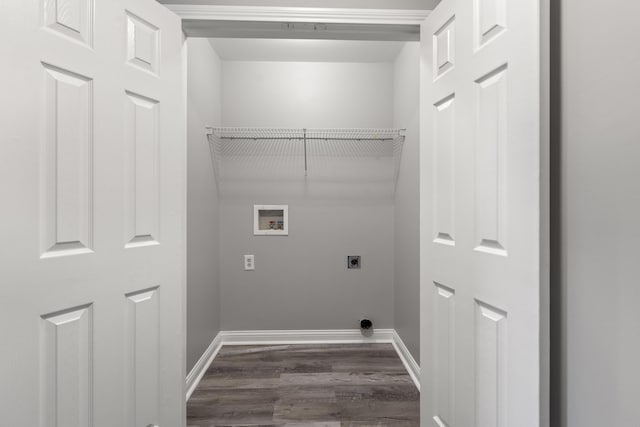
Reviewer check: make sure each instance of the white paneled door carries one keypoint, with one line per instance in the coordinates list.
(92, 185)
(484, 221)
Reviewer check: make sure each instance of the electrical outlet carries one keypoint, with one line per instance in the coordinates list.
(249, 262)
(353, 262)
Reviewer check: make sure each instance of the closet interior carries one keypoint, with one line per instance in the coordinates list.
(302, 155)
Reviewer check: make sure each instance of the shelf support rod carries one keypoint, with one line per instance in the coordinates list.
(305, 150)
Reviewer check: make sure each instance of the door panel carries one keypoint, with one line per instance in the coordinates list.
(66, 358)
(142, 182)
(93, 190)
(143, 330)
(67, 166)
(483, 213)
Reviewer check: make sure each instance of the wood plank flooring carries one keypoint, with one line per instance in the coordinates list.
(342, 385)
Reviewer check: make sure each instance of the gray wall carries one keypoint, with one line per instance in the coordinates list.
(407, 200)
(301, 280)
(203, 285)
(307, 94)
(596, 213)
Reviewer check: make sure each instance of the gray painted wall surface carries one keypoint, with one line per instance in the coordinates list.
(203, 285)
(307, 94)
(407, 200)
(301, 280)
(596, 213)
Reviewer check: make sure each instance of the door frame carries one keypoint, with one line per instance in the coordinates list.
(201, 14)
(193, 12)
(370, 24)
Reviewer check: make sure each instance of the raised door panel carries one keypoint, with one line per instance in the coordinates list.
(143, 358)
(67, 368)
(70, 18)
(143, 40)
(490, 20)
(490, 361)
(444, 324)
(444, 171)
(67, 164)
(142, 180)
(444, 48)
(491, 162)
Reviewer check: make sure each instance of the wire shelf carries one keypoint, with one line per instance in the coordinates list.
(278, 145)
(355, 134)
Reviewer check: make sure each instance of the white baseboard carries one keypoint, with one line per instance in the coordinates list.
(329, 336)
(407, 359)
(201, 366)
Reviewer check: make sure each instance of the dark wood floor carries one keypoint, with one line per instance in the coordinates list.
(305, 385)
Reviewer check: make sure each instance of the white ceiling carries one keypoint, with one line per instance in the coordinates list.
(306, 50)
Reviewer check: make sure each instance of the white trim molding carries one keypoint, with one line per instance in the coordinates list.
(280, 337)
(407, 359)
(201, 366)
(298, 14)
(328, 336)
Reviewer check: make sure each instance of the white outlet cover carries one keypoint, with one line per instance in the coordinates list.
(249, 262)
